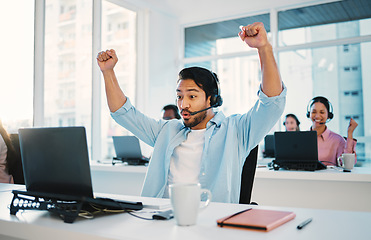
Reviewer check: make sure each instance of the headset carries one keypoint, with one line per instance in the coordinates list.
(215, 99)
(325, 102)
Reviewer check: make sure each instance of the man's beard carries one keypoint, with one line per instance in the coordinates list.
(199, 117)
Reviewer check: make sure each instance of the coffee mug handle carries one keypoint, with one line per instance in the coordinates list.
(340, 163)
(209, 196)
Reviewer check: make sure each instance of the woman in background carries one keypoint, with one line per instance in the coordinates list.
(330, 145)
(291, 123)
(6, 155)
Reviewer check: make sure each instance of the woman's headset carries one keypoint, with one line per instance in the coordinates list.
(294, 117)
(325, 102)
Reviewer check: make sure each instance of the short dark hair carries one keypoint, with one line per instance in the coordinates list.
(174, 108)
(204, 78)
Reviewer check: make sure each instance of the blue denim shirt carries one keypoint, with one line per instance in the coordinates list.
(228, 141)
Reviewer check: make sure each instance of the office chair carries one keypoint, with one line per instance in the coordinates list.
(247, 177)
(17, 172)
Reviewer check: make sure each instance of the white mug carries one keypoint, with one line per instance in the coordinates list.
(347, 161)
(185, 200)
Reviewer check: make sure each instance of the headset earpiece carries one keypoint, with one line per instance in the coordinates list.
(330, 115)
(216, 100)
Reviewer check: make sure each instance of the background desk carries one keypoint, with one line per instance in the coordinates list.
(325, 189)
(32, 224)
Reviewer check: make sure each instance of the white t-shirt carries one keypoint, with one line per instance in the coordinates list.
(185, 163)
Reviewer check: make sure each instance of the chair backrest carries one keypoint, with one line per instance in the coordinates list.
(248, 174)
(17, 172)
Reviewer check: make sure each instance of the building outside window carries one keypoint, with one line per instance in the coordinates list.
(119, 33)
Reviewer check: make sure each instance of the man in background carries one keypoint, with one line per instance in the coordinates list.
(170, 111)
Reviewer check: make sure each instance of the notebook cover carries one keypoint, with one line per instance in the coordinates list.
(258, 219)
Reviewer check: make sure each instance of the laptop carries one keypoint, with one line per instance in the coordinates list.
(128, 150)
(268, 146)
(297, 150)
(56, 166)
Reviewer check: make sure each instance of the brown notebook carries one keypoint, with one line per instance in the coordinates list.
(258, 219)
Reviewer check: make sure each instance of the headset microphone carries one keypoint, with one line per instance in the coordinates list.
(328, 120)
(193, 113)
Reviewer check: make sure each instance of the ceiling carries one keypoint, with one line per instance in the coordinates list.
(192, 12)
(341, 11)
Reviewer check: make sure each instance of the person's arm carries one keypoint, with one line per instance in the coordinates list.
(115, 96)
(351, 143)
(255, 36)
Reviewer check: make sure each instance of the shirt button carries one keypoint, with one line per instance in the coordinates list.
(203, 174)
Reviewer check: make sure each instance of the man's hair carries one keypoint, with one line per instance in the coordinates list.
(204, 78)
(174, 108)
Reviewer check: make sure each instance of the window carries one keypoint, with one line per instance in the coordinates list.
(346, 48)
(119, 33)
(68, 67)
(67, 99)
(16, 82)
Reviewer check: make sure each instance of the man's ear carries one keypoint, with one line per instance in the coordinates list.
(208, 100)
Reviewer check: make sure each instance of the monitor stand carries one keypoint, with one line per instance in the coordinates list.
(67, 209)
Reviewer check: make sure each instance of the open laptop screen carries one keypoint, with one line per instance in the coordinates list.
(127, 147)
(297, 150)
(56, 160)
(296, 145)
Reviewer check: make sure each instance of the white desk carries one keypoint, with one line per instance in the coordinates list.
(324, 189)
(33, 224)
